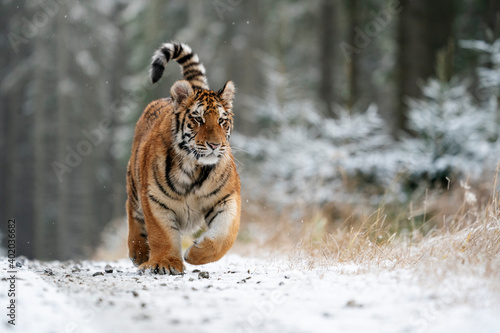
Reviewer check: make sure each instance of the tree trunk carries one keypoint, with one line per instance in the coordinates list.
(493, 18)
(327, 55)
(63, 129)
(424, 27)
(353, 64)
(42, 224)
(117, 170)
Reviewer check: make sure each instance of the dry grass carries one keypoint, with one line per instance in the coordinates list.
(448, 233)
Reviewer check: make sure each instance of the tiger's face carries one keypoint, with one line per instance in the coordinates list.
(203, 122)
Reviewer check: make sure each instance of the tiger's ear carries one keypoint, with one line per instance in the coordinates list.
(227, 94)
(181, 90)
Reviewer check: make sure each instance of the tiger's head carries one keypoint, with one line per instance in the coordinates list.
(203, 121)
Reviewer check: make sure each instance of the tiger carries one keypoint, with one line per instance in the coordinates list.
(182, 175)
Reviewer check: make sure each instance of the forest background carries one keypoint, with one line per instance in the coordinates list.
(341, 106)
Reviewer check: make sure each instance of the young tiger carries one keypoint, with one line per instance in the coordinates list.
(181, 174)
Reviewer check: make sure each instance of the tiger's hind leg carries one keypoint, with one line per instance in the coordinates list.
(223, 224)
(138, 247)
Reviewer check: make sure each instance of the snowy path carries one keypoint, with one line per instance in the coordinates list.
(241, 295)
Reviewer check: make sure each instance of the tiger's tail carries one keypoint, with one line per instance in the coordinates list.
(192, 69)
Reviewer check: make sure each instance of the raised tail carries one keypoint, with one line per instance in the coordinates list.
(192, 70)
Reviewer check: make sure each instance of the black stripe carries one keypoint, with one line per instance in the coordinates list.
(132, 184)
(166, 53)
(132, 187)
(174, 227)
(168, 167)
(192, 71)
(136, 156)
(143, 234)
(222, 89)
(162, 189)
(190, 174)
(193, 76)
(209, 212)
(185, 58)
(196, 87)
(140, 220)
(224, 198)
(211, 220)
(182, 124)
(222, 184)
(133, 200)
(197, 155)
(177, 122)
(177, 51)
(184, 147)
(154, 199)
(191, 65)
(218, 203)
(204, 173)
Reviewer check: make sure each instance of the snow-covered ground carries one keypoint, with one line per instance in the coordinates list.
(242, 294)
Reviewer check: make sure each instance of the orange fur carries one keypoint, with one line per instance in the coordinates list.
(181, 175)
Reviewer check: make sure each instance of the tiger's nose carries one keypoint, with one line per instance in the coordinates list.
(213, 145)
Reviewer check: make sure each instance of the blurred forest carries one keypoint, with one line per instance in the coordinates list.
(74, 80)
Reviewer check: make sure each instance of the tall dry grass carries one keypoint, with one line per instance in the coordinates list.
(445, 233)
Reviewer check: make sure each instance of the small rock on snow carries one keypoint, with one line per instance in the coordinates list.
(353, 304)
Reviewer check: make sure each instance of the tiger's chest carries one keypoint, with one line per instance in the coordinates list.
(183, 190)
(190, 215)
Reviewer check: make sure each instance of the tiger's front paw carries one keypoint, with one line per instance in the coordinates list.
(202, 252)
(169, 265)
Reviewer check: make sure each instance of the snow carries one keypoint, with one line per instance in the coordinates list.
(245, 294)
(301, 156)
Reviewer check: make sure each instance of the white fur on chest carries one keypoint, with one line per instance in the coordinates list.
(189, 214)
